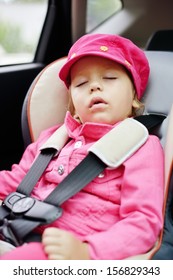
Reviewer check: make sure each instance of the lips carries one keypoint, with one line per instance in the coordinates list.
(96, 101)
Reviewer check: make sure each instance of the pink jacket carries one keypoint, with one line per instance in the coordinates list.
(119, 213)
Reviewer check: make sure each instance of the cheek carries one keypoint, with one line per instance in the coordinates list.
(127, 97)
(127, 103)
(123, 101)
(77, 101)
(123, 96)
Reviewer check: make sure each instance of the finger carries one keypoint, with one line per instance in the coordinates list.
(55, 253)
(51, 240)
(52, 249)
(51, 231)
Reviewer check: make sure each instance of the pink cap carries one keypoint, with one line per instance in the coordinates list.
(114, 47)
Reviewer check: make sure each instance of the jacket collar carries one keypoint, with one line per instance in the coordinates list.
(88, 129)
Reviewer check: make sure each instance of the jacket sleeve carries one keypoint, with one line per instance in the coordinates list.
(9, 180)
(140, 212)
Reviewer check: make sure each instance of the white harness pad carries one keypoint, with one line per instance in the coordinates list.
(120, 143)
(114, 147)
(57, 140)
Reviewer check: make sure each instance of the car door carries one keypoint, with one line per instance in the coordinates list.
(16, 76)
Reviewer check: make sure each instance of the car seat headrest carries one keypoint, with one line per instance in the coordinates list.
(161, 40)
(158, 97)
(46, 102)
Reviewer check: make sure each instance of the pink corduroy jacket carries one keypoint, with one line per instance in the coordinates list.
(119, 214)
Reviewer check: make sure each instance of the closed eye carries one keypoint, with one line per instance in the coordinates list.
(109, 78)
(81, 84)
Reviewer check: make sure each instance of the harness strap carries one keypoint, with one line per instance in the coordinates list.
(48, 150)
(36, 171)
(90, 167)
(151, 121)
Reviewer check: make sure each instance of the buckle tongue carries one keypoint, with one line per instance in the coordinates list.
(23, 205)
(19, 203)
(12, 198)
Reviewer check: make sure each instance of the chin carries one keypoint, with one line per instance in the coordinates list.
(102, 120)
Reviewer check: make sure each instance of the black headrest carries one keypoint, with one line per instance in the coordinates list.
(161, 40)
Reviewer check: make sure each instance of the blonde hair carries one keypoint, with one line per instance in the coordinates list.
(70, 106)
(138, 107)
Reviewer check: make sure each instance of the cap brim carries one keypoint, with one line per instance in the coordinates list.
(65, 70)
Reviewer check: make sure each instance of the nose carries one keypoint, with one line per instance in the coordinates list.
(95, 86)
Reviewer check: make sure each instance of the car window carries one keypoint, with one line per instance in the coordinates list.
(99, 11)
(21, 23)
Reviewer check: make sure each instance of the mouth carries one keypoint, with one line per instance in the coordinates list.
(97, 102)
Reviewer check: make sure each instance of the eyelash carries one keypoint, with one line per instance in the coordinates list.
(81, 84)
(110, 78)
(104, 78)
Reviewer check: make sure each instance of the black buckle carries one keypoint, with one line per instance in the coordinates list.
(27, 212)
(18, 202)
(32, 208)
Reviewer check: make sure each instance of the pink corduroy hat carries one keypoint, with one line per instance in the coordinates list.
(113, 47)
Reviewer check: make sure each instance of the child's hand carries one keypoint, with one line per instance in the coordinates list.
(61, 245)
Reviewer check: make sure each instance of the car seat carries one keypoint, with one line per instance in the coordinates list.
(45, 103)
(161, 40)
(47, 99)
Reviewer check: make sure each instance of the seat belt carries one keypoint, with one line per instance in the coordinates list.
(151, 121)
(93, 164)
(36, 170)
(47, 153)
(30, 213)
